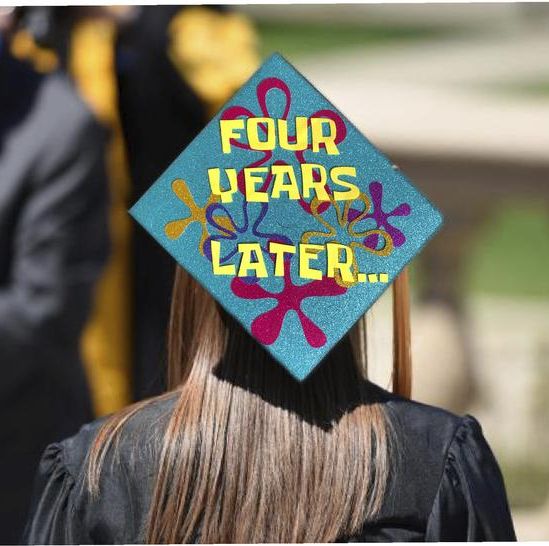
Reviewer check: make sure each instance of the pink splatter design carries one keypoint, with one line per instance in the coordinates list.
(267, 326)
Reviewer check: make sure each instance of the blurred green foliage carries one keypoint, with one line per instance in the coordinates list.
(527, 483)
(511, 254)
(525, 88)
(299, 38)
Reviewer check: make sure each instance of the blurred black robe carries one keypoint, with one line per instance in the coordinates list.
(53, 245)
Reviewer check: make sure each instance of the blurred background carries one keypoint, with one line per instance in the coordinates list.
(456, 95)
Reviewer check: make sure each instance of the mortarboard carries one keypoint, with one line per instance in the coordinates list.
(290, 218)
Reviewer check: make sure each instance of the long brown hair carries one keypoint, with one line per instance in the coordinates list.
(251, 455)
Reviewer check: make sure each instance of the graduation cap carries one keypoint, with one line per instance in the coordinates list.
(291, 219)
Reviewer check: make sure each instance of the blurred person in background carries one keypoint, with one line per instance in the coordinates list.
(154, 75)
(53, 246)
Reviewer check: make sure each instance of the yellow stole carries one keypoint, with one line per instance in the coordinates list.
(106, 340)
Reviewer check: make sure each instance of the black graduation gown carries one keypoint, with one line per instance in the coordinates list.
(160, 116)
(446, 487)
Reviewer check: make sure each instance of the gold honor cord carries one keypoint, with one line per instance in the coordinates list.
(24, 48)
(106, 344)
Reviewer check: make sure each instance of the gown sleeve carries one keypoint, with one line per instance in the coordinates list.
(53, 518)
(471, 503)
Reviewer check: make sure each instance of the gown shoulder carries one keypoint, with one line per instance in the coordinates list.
(471, 502)
(64, 512)
(446, 484)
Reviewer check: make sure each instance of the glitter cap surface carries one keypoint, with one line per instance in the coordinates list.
(290, 218)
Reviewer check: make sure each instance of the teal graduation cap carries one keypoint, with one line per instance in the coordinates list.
(291, 219)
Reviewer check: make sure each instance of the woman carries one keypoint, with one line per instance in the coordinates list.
(238, 451)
